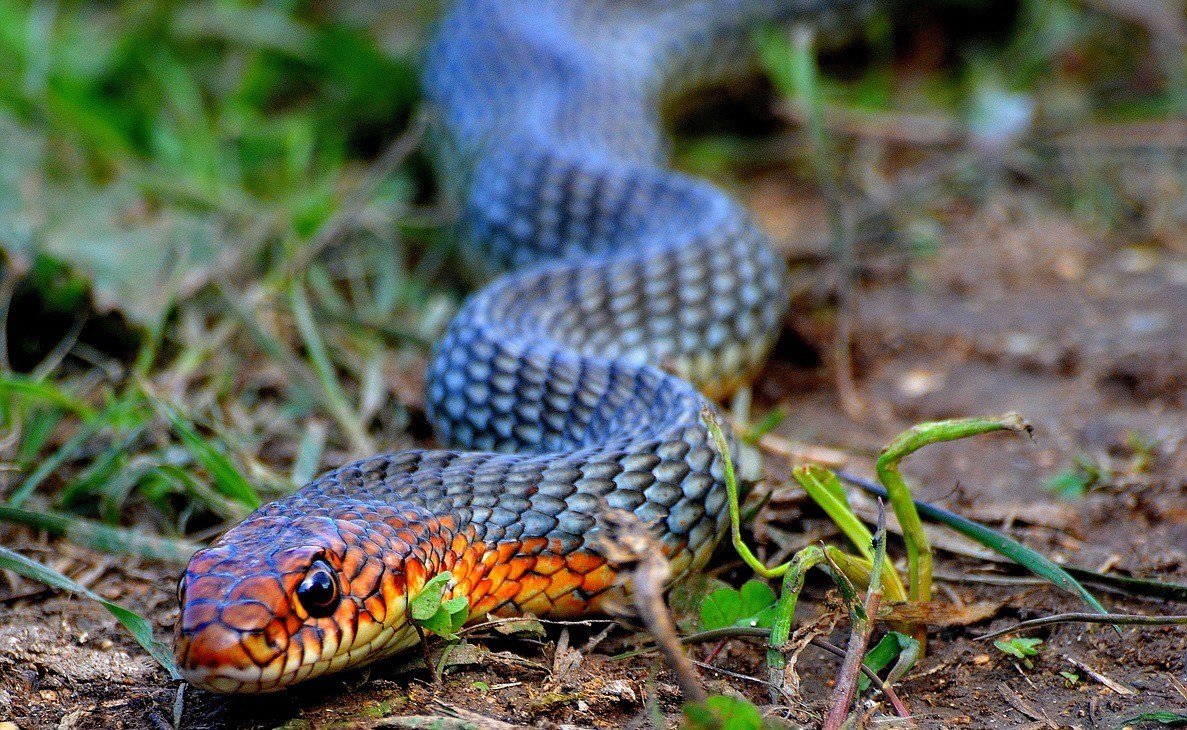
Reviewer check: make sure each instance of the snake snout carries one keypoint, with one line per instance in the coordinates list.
(250, 619)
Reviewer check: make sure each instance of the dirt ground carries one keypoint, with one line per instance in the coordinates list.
(1020, 308)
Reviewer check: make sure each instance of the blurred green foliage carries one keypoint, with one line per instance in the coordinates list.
(146, 138)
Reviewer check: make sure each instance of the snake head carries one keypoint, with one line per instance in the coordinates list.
(279, 600)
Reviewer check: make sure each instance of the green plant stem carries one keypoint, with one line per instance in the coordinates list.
(919, 552)
(793, 583)
(731, 485)
(825, 490)
(1035, 562)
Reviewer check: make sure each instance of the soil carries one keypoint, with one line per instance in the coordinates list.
(1022, 308)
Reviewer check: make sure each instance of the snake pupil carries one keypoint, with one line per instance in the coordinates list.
(318, 593)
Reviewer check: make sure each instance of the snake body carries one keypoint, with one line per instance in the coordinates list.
(569, 385)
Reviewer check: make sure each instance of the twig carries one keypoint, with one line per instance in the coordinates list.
(859, 639)
(1117, 619)
(804, 70)
(628, 542)
(424, 645)
(1109, 682)
(758, 632)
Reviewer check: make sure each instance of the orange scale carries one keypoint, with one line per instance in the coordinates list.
(568, 606)
(414, 575)
(539, 604)
(262, 587)
(292, 624)
(275, 633)
(462, 587)
(395, 521)
(519, 567)
(459, 544)
(216, 647)
(367, 581)
(256, 647)
(530, 586)
(485, 605)
(468, 559)
(583, 562)
(350, 527)
(197, 614)
(203, 562)
(563, 582)
(534, 545)
(246, 616)
(498, 573)
(489, 557)
(507, 551)
(391, 591)
(354, 562)
(479, 590)
(211, 586)
(599, 580)
(408, 536)
(372, 548)
(547, 564)
(507, 592)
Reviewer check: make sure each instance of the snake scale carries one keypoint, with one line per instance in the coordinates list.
(571, 384)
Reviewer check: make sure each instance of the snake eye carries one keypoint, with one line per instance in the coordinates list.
(181, 590)
(318, 593)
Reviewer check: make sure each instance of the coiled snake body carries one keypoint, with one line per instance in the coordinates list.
(569, 385)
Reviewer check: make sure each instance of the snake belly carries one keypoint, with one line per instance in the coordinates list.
(569, 385)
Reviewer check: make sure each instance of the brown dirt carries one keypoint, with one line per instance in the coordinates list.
(1021, 309)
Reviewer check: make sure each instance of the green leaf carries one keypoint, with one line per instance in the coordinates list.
(894, 647)
(1036, 563)
(758, 604)
(425, 604)
(722, 713)
(1020, 647)
(455, 605)
(1162, 717)
(721, 608)
(756, 596)
(765, 425)
(137, 625)
(448, 616)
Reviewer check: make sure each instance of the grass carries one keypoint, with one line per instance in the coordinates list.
(162, 186)
(223, 261)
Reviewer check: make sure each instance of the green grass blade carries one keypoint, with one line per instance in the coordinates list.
(102, 537)
(67, 450)
(1035, 562)
(44, 392)
(334, 397)
(137, 625)
(227, 479)
(1132, 586)
(825, 490)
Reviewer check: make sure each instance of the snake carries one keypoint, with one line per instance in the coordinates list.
(623, 298)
